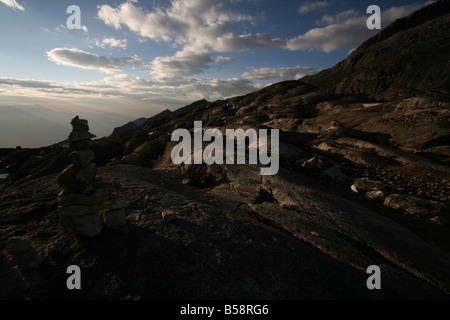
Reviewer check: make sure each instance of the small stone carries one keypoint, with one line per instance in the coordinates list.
(335, 173)
(80, 127)
(315, 234)
(17, 245)
(82, 158)
(89, 199)
(80, 135)
(80, 145)
(168, 215)
(86, 175)
(78, 121)
(86, 226)
(375, 195)
(439, 220)
(76, 179)
(50, 249)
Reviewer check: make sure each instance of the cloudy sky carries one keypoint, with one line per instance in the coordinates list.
(135, 58)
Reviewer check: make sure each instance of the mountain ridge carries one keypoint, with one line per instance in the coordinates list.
(383, 63)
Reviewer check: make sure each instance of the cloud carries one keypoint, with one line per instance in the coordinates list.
(197, 23)
(338, 18)
(81, 59)
(13, 4)
(346, 29)
(279, 74)
(183, 63)
(113, 43)
(62, 28)
(311, 6)
(349, 33)
(224, 60)
(390, 15)
(232, 43)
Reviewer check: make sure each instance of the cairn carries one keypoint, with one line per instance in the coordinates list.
(87, 204)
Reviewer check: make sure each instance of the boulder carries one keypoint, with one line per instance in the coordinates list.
(82, 158)
(335, 173)
(17, 245)
(168, 215)
(86, 225)
(413, 205)
(80, 145)
(375, 195)
(80, 135)
(77, 121)
(364, 185)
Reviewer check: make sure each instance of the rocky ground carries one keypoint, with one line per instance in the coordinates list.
(343, 199)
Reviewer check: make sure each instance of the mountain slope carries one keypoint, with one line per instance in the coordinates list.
(411, 55)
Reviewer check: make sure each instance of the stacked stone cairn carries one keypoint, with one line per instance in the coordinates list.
(87, 205)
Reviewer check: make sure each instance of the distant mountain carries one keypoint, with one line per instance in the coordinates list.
(132, 125)
(410, 56)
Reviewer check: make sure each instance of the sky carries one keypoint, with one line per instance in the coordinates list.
(135, 58)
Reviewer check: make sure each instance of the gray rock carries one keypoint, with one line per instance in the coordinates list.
(168, 215)
(335, 173)
(363, 185)
(17, 245)
(75, 179)
(77, 121)
(80, 135)
(375, 195)
(86, 175)
(413, 205)
(82, 158)
(86, 225)
(80, 127)
(80, 145)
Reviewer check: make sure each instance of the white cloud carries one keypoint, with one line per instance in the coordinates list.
(307, 7)
(86, 60)
(390, 15)
(346, 29)
(113, 43)
(232, 43)
(13, 4)
(279, 74)
(195, 23)
(183, 63)
(62, 28)
(224, 60)
(351, 32)
(338, 18)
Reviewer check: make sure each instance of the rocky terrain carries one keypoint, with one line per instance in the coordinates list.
(363, 180)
